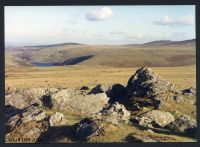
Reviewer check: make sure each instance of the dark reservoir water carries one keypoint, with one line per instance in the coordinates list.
(71, 61)
(42, 64)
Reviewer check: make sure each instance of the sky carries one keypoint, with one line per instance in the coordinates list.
(108, 25)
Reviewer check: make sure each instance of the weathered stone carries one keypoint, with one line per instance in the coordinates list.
(117, 92)
(138, 103)
(53, 90)
(11, 111)
(84, 88)
(46, 101)
(75, 101)
(146, 83)
(57, 119)
(28, 132)
(87, 128)
(32, 132)
(16, 117)
(36, 102)
(40, 116)
(33, 93)
(17, 99)
(155, 118)
(115, 113)
(22, 98)
(92, 126)
(184, 124)
(189, 91)
(12, 123)
(33, 113)
(99, 89)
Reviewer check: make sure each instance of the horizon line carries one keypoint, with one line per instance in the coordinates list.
(78, 43)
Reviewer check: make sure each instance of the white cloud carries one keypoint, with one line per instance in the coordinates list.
(102, 14)
(167, 20)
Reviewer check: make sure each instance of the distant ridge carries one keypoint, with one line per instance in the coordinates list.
(165, 42)
(184, 42)
(164, 53)
(159, 42)
(53, 45)
(152, 43)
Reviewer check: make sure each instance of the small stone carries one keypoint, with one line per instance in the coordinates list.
(99, 89)
(189, 91)
(184, 124)
(84, 88)
(57, 119)
(36, 102)
(156, 117)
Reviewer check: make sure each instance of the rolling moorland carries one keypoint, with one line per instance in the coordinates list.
(73, 92)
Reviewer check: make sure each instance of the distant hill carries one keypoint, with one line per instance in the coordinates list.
(156, 53)
(185, 42)
(159, 42)
(52, 45)
(166, 42)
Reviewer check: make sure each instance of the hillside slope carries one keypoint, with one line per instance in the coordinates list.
(165, 53)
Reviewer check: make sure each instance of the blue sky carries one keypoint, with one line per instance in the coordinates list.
(33, 25)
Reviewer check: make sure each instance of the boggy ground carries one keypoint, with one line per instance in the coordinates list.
(78, 76)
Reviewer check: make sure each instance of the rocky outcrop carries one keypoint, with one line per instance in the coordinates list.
(103, 107)
(88, 127)
(36, 102)
(12, 123)
(155, 118)
(74, 101)
(93, 126)
(115, 114)
(22, 98)
(146, 83)
(184, 124)
(32, 113)
(16, 117)
(117, 93)
(34, 93)
(57, 119)
(30, 130)
(17, 99)
(25, 97)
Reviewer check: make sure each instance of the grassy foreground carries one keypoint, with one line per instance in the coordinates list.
(80, 75)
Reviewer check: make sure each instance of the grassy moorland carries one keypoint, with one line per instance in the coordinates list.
(153, 55)
(80, 75)
(108, 65)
